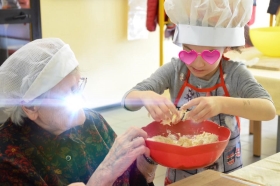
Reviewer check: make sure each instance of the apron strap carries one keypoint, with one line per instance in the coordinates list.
(222, 84)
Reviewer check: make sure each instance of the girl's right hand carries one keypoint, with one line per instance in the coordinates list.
(159, 106)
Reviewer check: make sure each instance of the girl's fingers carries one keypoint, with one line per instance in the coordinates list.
(158, 113)
(165, 112)
(173, 110)
(201, 116)
(190, 104)
(155, 112)
(197, 112)
(152, 113)
(161, 108)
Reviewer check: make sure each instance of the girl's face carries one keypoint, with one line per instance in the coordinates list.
(199, 67)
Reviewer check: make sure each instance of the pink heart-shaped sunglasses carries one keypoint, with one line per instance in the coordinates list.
(209, 56)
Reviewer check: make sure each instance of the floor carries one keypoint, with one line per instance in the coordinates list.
(120, 120)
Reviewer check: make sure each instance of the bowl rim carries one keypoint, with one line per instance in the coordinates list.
(187, 157)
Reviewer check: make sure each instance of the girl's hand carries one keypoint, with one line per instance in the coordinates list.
(202, 108)
(159, 107)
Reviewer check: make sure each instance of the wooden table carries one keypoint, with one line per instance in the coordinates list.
(265, 171)
(262, 172)
(267, 73)
(214, 178)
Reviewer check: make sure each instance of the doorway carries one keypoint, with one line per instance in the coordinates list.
(20, 23)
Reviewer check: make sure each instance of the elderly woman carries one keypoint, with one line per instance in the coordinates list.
(45, 141)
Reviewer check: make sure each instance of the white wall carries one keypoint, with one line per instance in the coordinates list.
(262, 17)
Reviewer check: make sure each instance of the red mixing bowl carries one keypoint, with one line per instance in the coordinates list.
(178, 157)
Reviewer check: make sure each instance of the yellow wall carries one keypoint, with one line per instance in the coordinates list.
(97, 32)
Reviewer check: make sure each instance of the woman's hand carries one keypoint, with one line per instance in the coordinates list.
(202, 108)
(147, 169)
(126, 148)
(159, 107)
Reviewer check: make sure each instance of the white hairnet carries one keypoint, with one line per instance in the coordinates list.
(34, 69)
(209, 22)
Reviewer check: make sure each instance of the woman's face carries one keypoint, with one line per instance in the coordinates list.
(54, 114)
(199, 67)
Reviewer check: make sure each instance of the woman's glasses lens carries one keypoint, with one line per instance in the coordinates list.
(81, 86)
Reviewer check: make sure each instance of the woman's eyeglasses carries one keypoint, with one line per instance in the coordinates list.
(82, 83)
(81, 86)
(209, 56)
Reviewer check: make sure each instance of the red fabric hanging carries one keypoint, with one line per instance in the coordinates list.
(152, 15)
(252, 20)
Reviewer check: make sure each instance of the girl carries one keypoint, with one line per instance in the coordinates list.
(202, 80)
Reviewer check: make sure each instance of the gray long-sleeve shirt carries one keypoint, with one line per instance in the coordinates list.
(239, 80)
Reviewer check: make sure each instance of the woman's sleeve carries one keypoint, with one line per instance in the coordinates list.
(136, 178)
(132, 175)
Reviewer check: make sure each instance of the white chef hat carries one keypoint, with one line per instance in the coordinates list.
(34, 69)
(217, 23)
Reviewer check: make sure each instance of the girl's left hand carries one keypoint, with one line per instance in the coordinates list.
(202, 108)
